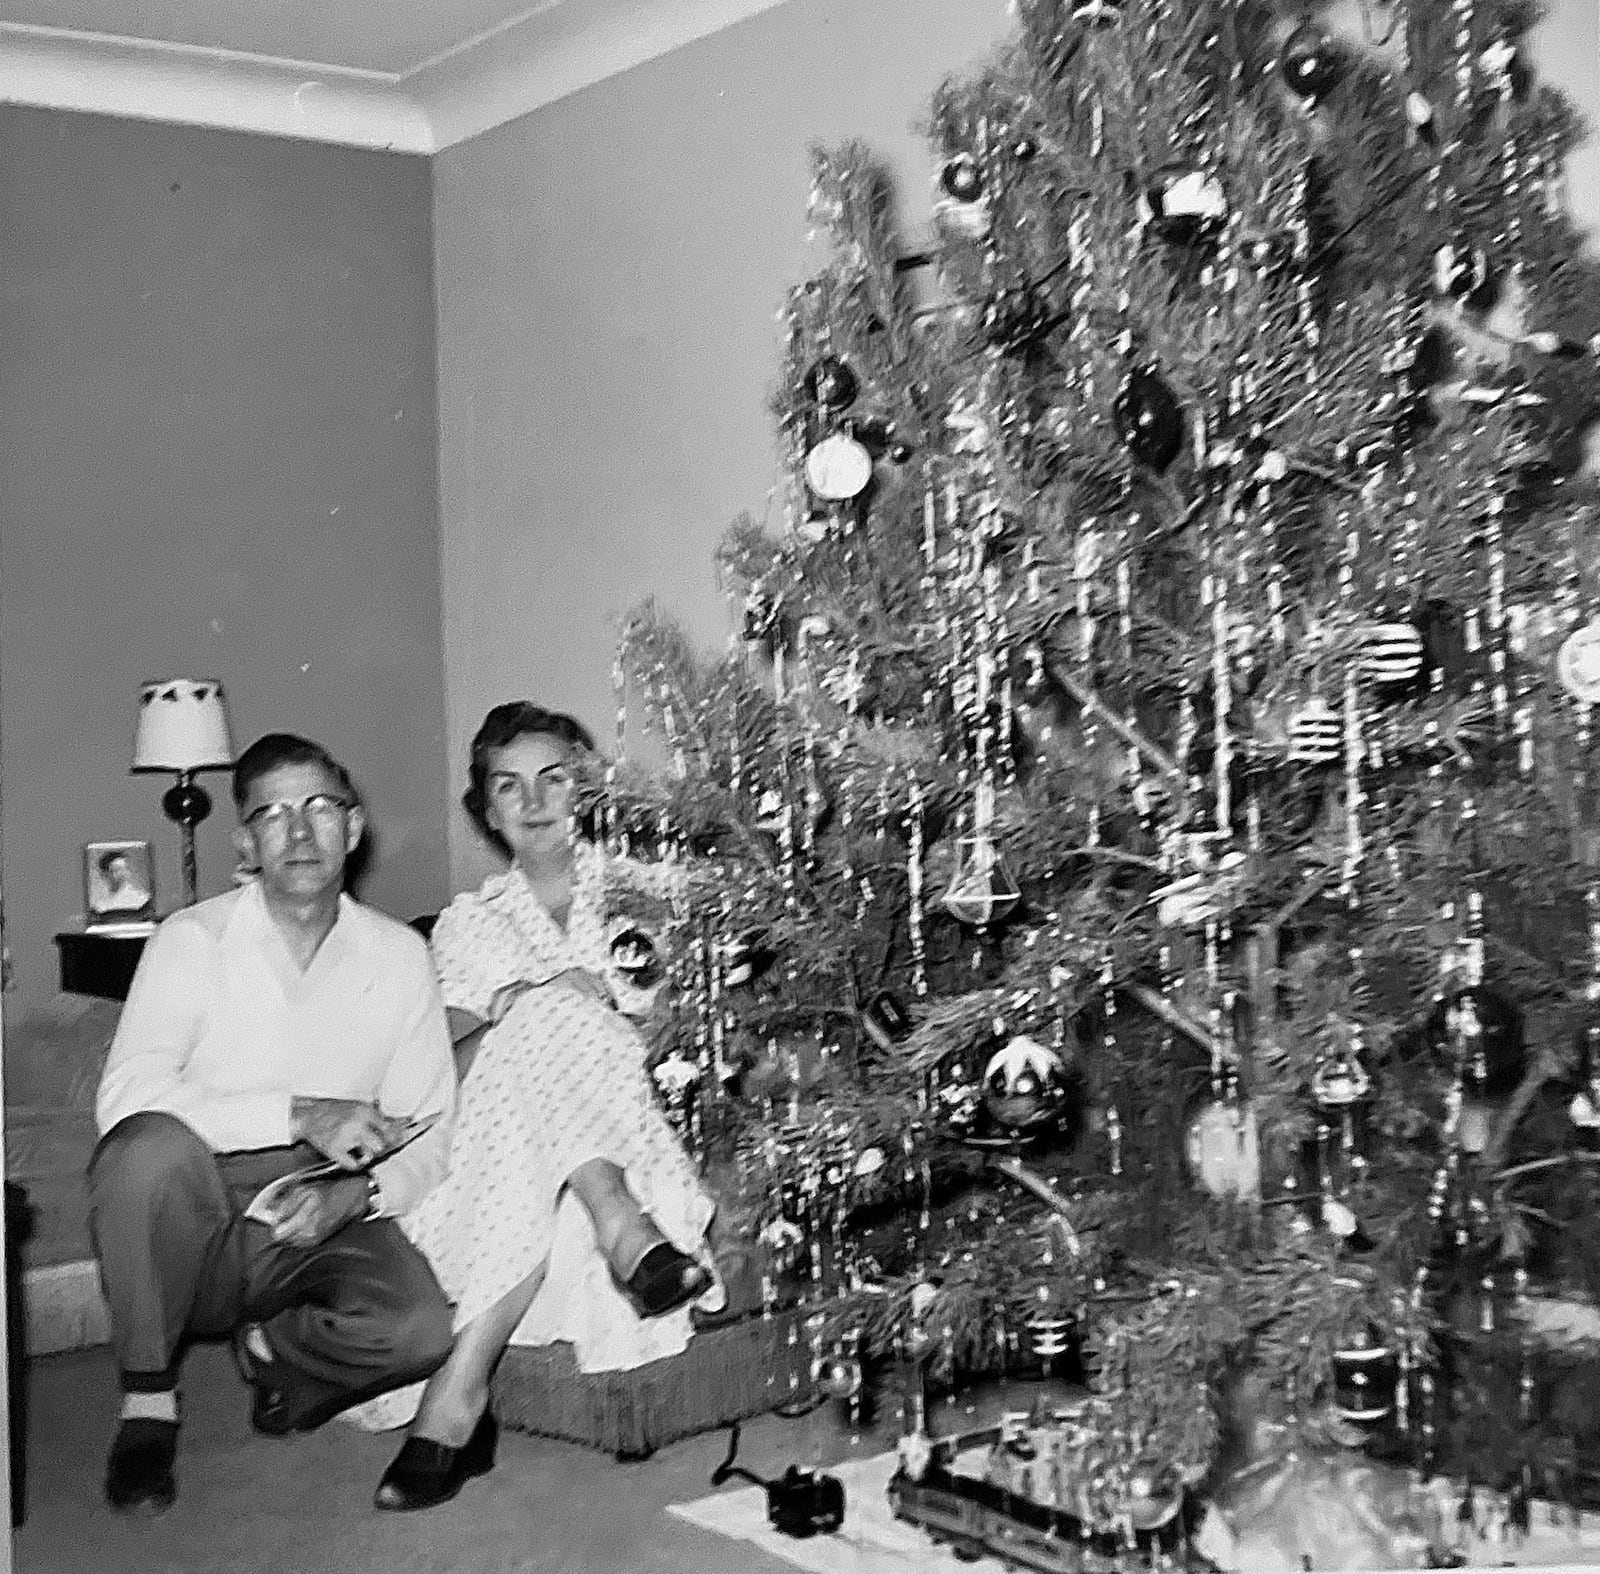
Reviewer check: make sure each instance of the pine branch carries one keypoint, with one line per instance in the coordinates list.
(1494, 1153)
(1016, 1170)
(1131, 735)
(1159, 1006)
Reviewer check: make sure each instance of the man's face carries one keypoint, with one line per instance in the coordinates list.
(298, 827)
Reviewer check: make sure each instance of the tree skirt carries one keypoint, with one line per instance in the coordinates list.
(726, 1374)
(872, 1541)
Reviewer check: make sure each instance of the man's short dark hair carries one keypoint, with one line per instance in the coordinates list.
(505, 724)
(112, 855)
(273, 749)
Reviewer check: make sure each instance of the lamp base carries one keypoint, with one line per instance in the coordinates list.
(188, 803)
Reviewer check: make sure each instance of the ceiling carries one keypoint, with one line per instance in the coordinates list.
(412, 75)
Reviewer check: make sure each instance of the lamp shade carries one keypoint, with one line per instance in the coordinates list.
(183, 726)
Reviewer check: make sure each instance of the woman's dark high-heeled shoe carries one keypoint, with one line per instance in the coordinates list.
(424, 1473)
(664, 1280)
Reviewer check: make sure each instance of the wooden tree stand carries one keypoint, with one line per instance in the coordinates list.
(726, 1374)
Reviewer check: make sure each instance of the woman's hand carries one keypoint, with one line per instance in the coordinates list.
(578, 978)
(502, 1000)
(586, 983)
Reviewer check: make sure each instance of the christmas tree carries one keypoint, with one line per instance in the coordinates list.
(1146, 899)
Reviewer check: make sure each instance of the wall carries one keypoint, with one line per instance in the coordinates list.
(609, 269)
(218, 419)
(1566, 53)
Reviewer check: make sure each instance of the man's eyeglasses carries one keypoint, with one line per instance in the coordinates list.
(322, 809)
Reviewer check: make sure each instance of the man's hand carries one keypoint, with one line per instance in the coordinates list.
(348, 1131)
(309, 1213)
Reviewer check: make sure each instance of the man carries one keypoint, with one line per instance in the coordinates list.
(278, 1024)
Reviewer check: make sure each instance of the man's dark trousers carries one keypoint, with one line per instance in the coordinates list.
(347, 1319)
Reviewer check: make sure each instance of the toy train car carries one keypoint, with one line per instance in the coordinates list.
(976, 1519)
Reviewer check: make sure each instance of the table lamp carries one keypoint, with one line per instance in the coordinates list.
(183, 728)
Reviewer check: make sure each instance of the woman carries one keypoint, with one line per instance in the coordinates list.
(565, 1177)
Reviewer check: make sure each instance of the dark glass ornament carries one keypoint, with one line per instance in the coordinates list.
(1025, 147)
(634, 956)
(1186, 207)
(1445, 648)
(1485, 1026)
(1025, 1087)
(830, 382)
(1149, 419)
(961, 178)
(1016, 319)
(1310, 64)
(838, 1377)
(885, 1020)
(901, 452)
(1430, 362)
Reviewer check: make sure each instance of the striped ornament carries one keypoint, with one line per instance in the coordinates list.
(1363, 1381)
(1316, 735)
(1391, 652)
(1049, 1335)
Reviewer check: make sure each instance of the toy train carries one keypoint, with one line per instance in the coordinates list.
(979, 1518)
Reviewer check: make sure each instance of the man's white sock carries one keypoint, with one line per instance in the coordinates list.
(151, 1407)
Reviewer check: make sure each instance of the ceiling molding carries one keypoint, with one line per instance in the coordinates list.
(177, 83)
(548, 52)
(558, 50)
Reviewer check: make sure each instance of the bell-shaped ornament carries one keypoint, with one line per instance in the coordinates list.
(982, 890)
(1339, 1082)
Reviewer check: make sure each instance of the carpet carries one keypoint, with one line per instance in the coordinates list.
(872, 1541)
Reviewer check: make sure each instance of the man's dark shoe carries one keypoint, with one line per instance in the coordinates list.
(139, 1472)
(270, 1411)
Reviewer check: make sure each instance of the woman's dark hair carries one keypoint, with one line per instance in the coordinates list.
(505, 724)
(273, 749)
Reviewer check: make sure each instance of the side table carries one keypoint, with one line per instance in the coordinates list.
(98, 964)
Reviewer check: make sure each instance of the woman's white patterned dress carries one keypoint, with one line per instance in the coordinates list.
(558, 1081)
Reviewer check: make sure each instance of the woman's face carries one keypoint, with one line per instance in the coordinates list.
(528, 794)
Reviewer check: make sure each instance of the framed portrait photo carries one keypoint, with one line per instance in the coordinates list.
(119, 884)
